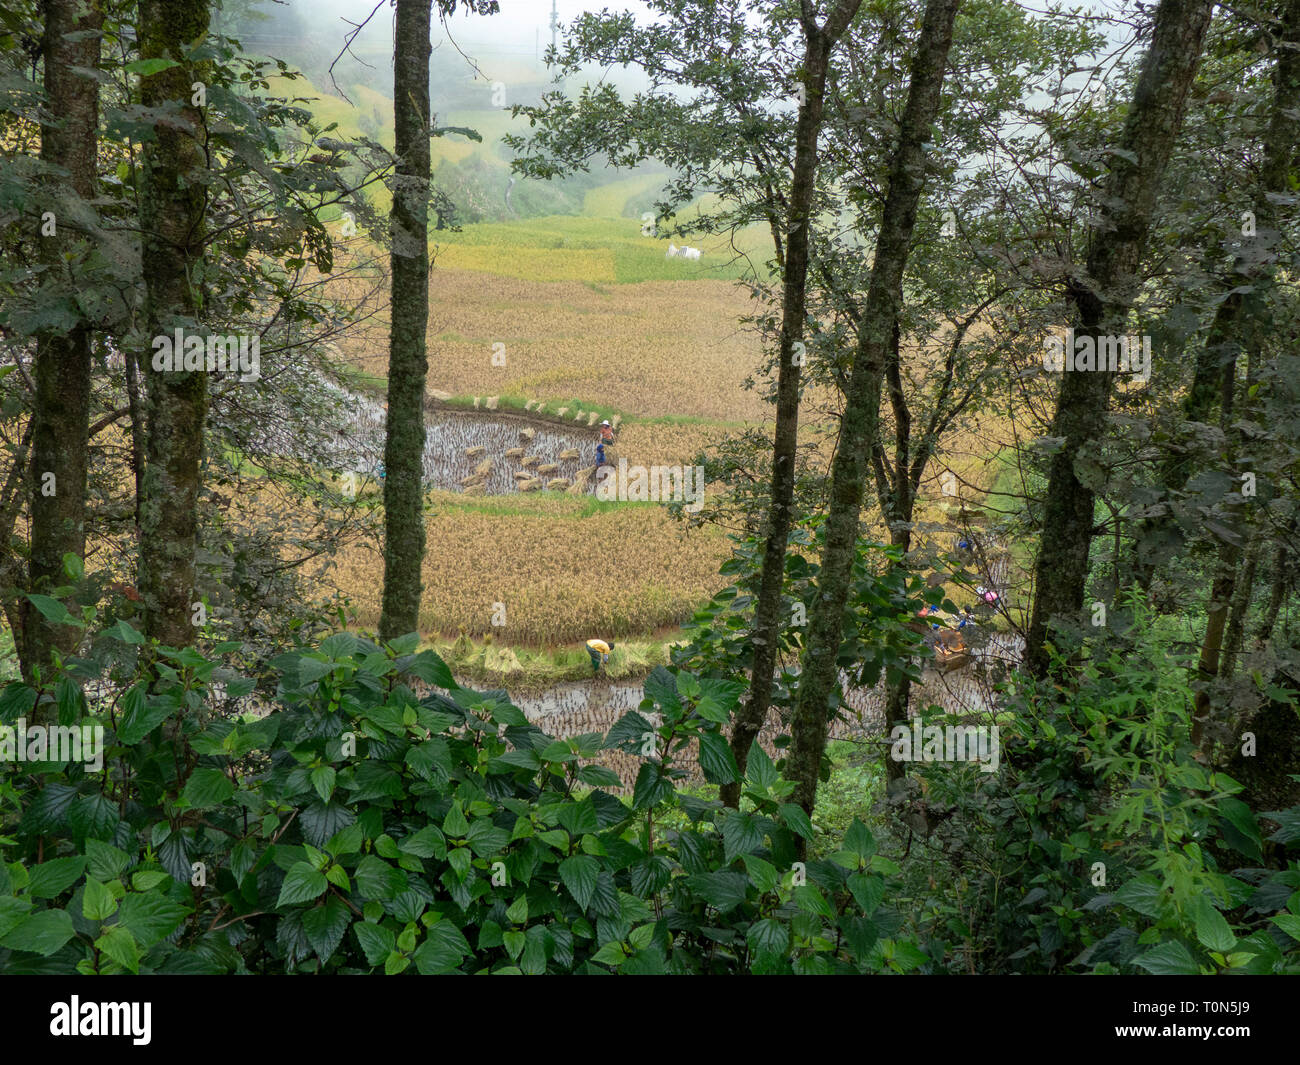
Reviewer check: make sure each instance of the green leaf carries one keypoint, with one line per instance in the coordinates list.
(302, 884)
(376, 941)
(1240, 828)
(150, 917)
(517, 911)
(661, 687)
(769, 936)
(423, 844)
(868, 891)
(1168, 959)
(125, 633)
(454, 824)
(598, 776)
(651, 787)
(1289, 923)
(797, 820)
(106, 861)
(322, 779)
(325, 925)
(579, 875)
(759, 770)
(1211, 927)
(118, 943)
(207, 788)
(762, 873)
(97, 902)
(718, 699)
(1141, 894)
(612, 953)
(148, 67)
(13, 911)
(442, 950)
(716, 760)
(741, 834)
(723, 888)
(859, 840)
(55, 876)
(42, 933)
(141, 715)
(53, 610)
(376, 879)
(148, 879)
(809, 898)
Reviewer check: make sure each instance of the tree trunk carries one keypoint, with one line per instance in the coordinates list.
(1280, 583)
(1235, 635)
(819, 683)
(768, 623)
(173, 207)
(138, 444)
(408, 362)
(1103, 299)
(61, 415)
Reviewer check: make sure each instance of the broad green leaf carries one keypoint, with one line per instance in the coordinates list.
(302, 884)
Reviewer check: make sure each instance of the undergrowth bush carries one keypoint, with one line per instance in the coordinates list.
(351, 824)
(1105, 844)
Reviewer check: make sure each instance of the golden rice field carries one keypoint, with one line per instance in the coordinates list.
(563, 568)
(652, 349)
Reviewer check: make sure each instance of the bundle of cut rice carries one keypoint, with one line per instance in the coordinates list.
(530, 486)
(473, 490)
(569, 453)
(580, 481)
(556, 484)
(549, 468)
(492, 402)
(475, 452)
(591, 418)
(514, 452)
(527, 434)
(562, 412)
(473, 479)
(523, 475)
(483, 468)
(530, 460)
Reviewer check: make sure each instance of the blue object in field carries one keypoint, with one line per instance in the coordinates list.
(600, 453)
(934, 625)
(380, 471)
(964, 545)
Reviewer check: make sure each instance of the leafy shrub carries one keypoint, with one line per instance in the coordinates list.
(356, 824)
(1104, 845)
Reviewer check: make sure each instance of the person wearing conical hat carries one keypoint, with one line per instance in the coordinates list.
(598, 651)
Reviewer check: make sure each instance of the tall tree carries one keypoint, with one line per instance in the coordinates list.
(1103, 297)
(819, 41)
(173, 206)
(61, 414)
(820, 679)
(408, 361)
